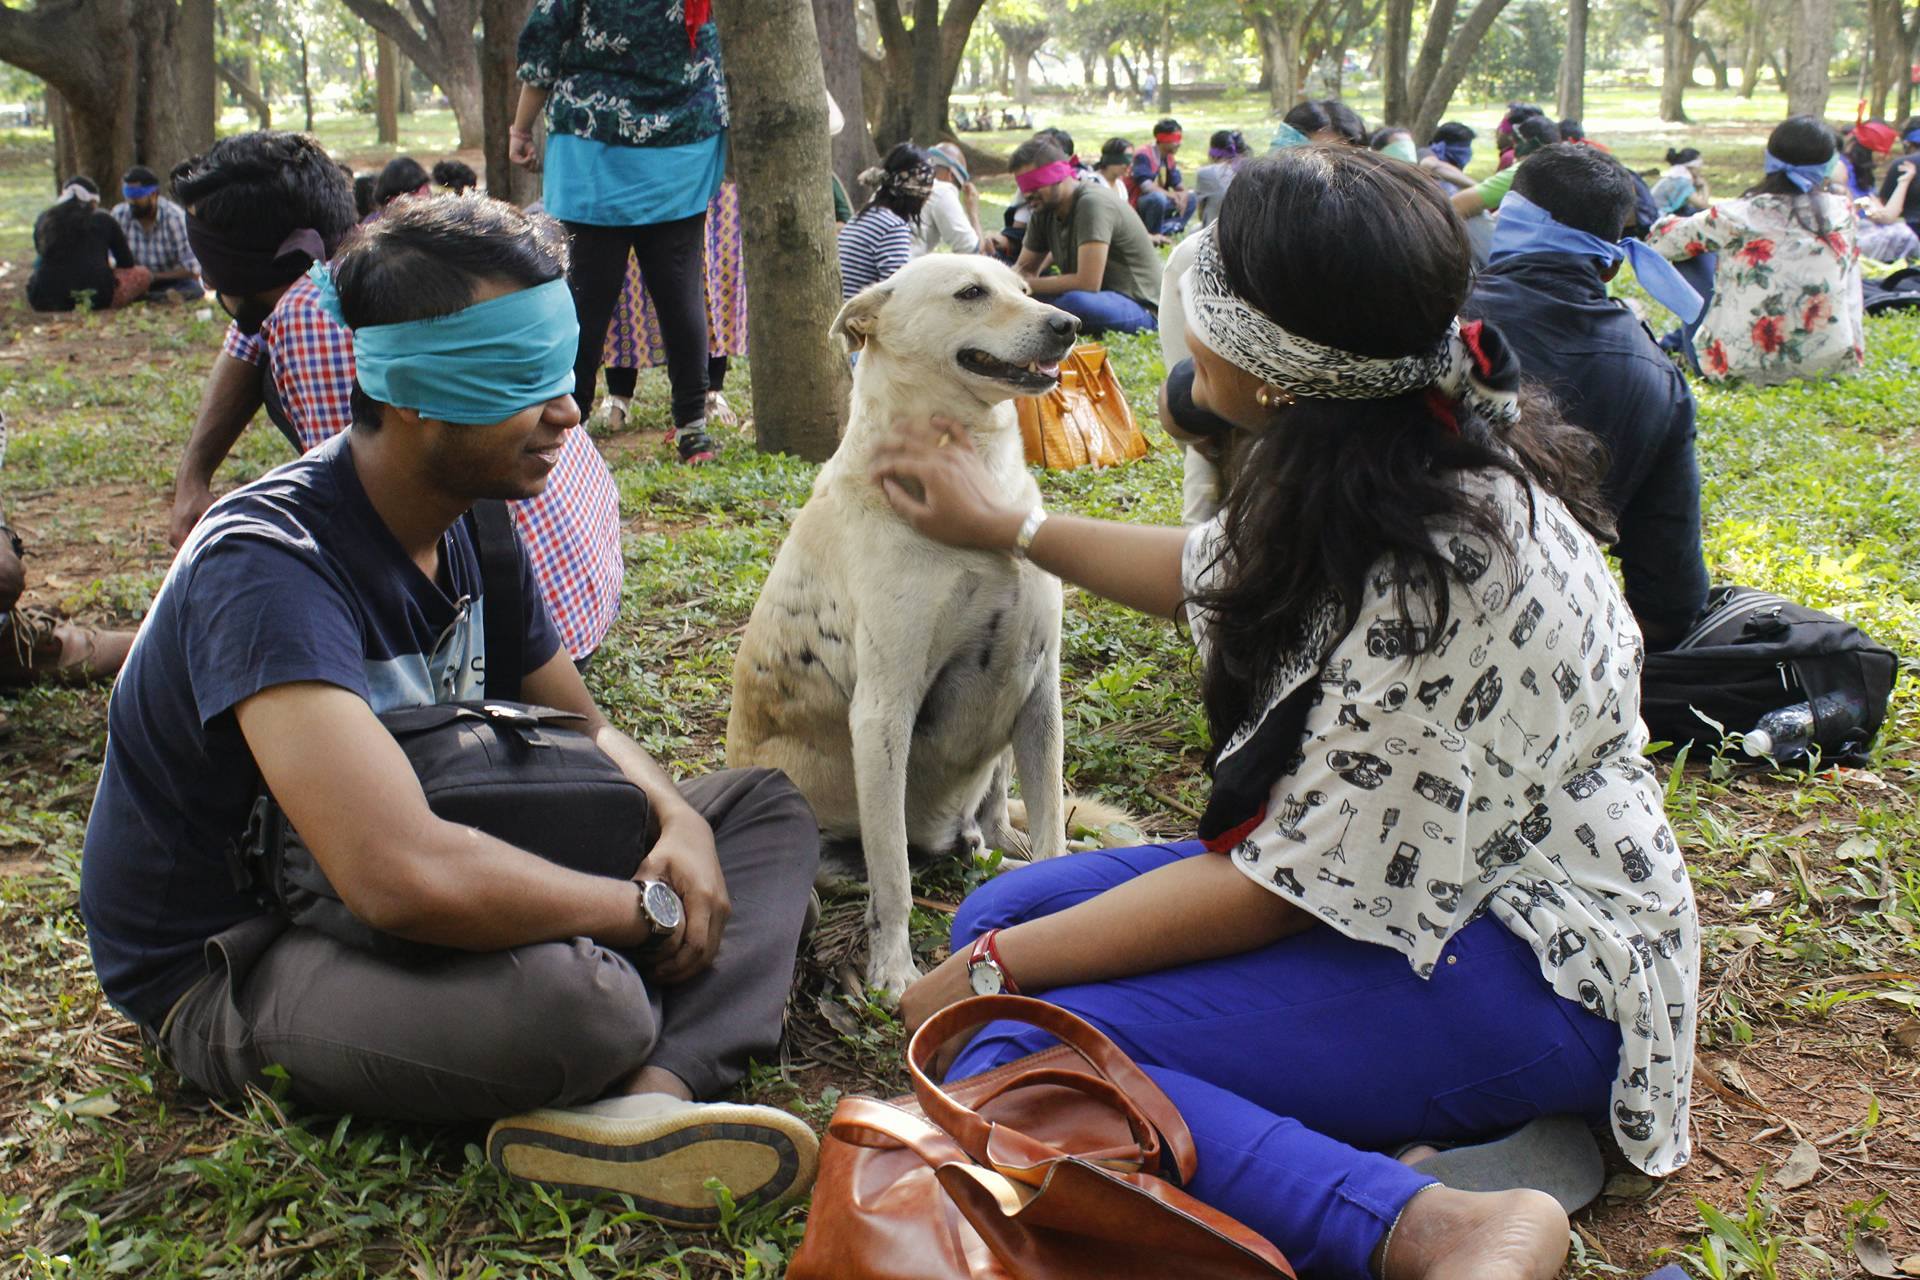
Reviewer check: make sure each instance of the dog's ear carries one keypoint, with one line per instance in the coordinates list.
(860, 314)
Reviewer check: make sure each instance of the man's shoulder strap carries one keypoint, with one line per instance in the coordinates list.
(501, 589)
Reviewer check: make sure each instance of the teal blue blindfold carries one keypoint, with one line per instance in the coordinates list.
(482, 364)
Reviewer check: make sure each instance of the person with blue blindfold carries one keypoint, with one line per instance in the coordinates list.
(1556, 245)
(580, 1013)
(1786, 297)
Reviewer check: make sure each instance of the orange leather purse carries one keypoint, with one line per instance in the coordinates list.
(1085, 421)
(1054, 1167)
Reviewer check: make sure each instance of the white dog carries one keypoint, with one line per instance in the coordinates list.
(892, 677)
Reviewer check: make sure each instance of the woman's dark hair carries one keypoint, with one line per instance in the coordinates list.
(363, 193)
(904, 158)
(1355, 250)
(255, 188)
(66, 220)
(1328, 113)
(1799, 140)
(1537, 130)
(424, 258)
(1685, 155)
(402, 177)
(1059, 138)
(1455, 133)
(1382, 136)
(1232, 141)
(1572, 130)
(457, 174)
(1115, 151)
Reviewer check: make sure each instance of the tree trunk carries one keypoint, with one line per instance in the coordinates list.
(1572, 98)
(306, 80)
(836, 23)
(1705, 52)
(199, 80)
(1676, 33)
(386, 90)
(1755, 47)
(1809, 51)
(776, 77)
(1399, 37)
(1113, 85)
(921, 64)
(1888, 37)
(1910, 51)
(1280, 53)
(249, 94)
(1166, 55)
(500, 23)
(66, 147)
(442, 47)
(1460, 54)
(1779, 71)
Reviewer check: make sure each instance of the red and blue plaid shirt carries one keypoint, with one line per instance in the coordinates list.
(571, 530)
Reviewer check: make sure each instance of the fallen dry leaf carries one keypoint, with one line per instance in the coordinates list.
(1801, 1167)
(1874, 1255)
(1910, 1265)
(1906, 1037)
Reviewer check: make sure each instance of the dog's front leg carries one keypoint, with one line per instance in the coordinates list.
(1038, 756)
(881, 720)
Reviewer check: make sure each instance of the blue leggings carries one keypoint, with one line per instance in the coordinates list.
(1296, 1064)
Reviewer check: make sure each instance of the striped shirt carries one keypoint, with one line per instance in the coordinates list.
(571, 530)
(872, 247)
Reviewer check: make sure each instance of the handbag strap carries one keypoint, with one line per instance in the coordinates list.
(502, 598)
(868, 1122)
(1143, 1097)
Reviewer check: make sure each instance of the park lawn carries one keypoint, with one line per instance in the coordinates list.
(1810, 887)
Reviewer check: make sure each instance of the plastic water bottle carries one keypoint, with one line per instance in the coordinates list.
(1786, 733)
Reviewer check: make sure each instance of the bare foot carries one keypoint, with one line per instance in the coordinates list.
(1445, 1234)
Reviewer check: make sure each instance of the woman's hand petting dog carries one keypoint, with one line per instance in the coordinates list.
(684, 856)
(954, 502)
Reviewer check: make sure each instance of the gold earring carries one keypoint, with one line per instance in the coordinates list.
(1272, 398)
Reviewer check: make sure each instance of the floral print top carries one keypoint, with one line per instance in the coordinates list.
(1786, 302)
(625, 72)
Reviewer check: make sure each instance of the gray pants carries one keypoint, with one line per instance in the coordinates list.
(478, 1036)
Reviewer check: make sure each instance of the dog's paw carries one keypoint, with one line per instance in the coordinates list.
(891, 972)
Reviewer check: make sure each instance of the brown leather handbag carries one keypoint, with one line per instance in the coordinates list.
(1054, 1167)
(1085, 421)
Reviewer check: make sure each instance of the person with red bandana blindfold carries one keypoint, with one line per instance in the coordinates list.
(1109, 271)
(1163, 204)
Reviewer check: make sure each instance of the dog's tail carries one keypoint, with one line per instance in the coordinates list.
(1089, 818)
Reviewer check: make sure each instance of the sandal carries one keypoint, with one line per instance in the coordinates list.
(694, 444)
(1554, 1154)
(720, 411)
(612, 411)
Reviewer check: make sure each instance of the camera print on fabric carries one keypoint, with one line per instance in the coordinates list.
(1499, 771)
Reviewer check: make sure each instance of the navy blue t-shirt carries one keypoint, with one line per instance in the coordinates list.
(292, 578)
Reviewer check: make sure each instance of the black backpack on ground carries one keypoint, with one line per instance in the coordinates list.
(1897, 292)
(520, 773)
(1753, 652)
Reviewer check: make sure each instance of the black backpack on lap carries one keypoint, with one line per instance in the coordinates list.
(1752, 653)
(520, 773)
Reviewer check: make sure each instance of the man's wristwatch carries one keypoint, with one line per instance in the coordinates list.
(985, 972)
(661, 908)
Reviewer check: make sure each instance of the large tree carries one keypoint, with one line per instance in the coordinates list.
(919, 65)
(500, 23)
(1418, 97)
(1572, 97)
(779, 93)
(1809, 50)
(837, 24)
(437, 37)
(119, 68)
(1024, 33)
(1677, 55)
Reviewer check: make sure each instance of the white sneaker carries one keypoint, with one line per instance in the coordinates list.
(661, 1151)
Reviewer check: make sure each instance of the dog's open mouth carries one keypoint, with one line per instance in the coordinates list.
(1035, 375)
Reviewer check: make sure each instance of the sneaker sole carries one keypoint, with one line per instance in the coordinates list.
(662, 1162)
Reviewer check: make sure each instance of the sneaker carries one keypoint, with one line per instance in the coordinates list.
(661, 1151)
(695, 445)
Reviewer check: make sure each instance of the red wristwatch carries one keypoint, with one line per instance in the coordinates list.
(985, 970)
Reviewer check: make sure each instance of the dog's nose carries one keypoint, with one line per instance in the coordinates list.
(1063, 324)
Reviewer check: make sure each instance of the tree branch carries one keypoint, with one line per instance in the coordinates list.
(1454, 69)
(392, 23)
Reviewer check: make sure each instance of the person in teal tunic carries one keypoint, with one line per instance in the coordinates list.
(636, 108)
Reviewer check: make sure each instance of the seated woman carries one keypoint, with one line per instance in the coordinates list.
(1885, 234)
(879, 241)
(1115, 165)
(1326, 120)
(1786, 291)
(83, 254)
(1227, 150)
(403, 176)
(1436, 896)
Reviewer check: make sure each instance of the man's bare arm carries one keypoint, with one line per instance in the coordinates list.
(231, 397)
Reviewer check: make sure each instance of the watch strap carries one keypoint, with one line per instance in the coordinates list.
(987, 951)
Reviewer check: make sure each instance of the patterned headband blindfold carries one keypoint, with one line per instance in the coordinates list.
(1468, 364)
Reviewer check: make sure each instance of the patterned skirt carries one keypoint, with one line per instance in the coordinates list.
(633, 339)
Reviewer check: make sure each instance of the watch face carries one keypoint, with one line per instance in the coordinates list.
(663, 906)
(985, 979)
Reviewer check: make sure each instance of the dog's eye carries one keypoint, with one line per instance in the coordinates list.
(970, 293)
